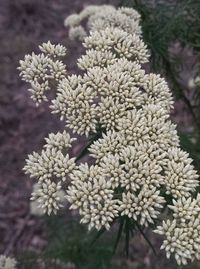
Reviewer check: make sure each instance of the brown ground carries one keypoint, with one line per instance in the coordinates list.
(24, 24)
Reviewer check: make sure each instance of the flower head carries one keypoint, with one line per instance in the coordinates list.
(47, 196)
(7, 262)
(142, 207)
(92, 195)
(138, 169)
(43, 69)
(180, 177)
(121, 43)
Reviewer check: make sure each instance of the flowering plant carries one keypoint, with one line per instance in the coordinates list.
(138, 170)
(7, 262)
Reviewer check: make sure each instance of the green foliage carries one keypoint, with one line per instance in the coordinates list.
(71, 242)
(164, 22)
(192, 146)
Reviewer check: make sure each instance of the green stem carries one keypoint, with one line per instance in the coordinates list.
(127, 236)
(121, 224)
(146, 238)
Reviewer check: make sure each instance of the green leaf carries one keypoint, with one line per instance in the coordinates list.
(98, 235)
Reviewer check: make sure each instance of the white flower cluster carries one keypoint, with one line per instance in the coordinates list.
(7, 262)
(182, 233)
(52, 168)
(43, 70)
(194, 82)
(103, 96)
(113, 43)
(101, 17)
(92, 194)
(138, 168)
(135, 176)
(36, 206)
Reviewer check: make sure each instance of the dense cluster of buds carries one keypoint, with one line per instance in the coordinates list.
(138, 167)
(7, 262)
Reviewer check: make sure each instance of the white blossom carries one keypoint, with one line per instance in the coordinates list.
(96, 79)
(110, 143)
(93, 196)
(77, 32)
(74, 102)
(59, 141)
(72, 20)
(139, 169)
(158, 92)
(34, 67)
(38, 91)
(83, 120)
(91, 9)
(118, 19)
(100, 17)
(184, 209)
(180, 177)
(43, 70)
(112, 169)
(47, 196)
(121, 43)
(53, 50)
(182, 241)
(36, 207)
(7, 262)
(142, 207)
(50, 163)
(94, 58)
(116, 83)
(109, 112)
(140, 126)
(132, 13)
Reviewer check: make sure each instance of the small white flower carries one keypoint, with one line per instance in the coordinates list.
(77, 32)
(72, 20)
(142, 207)
(158, 92)
(91, 193)
(139, 169)
(53, 50)
(94, 58)
(121, 43)
(43, 69)
(180, 241)
(35, 206)
(110, 143)
(184, 209)
(180, 177)
(59, 141)
(109, 113)
(7, 262)
(100, 17)
(47, 196)
(50, 163)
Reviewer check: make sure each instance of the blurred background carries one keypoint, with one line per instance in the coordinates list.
(171, 30)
